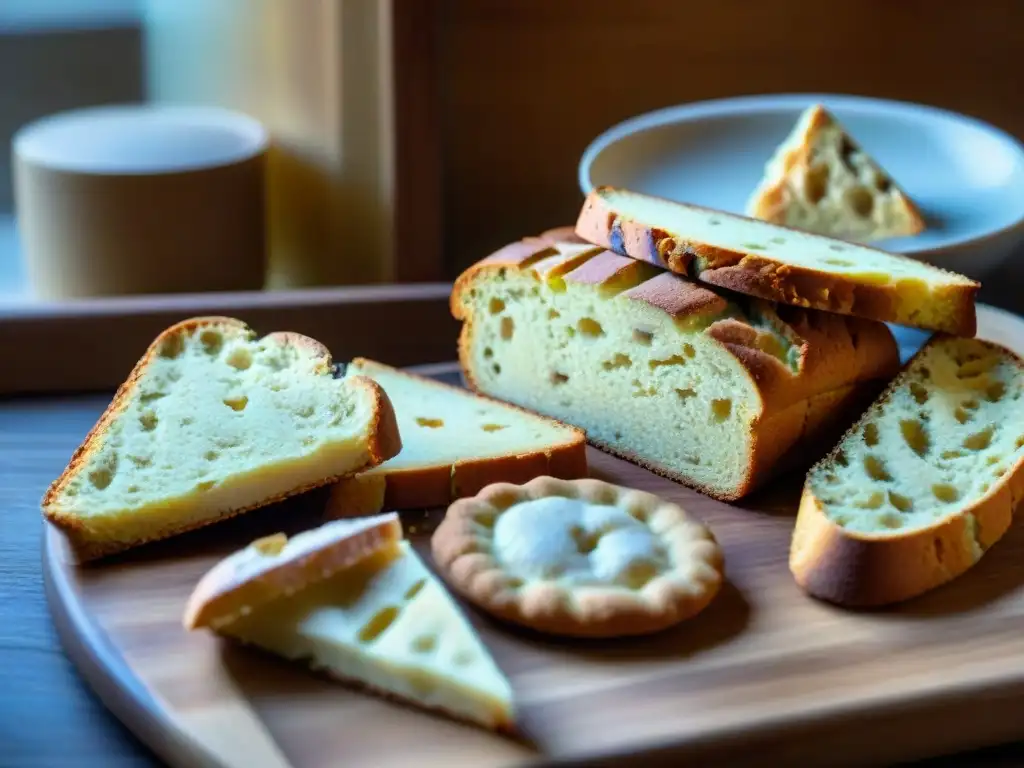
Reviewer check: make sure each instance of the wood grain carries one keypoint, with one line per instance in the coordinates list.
(89, 345)
(766, 676)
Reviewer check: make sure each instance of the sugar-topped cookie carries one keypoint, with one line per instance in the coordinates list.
(580, 557)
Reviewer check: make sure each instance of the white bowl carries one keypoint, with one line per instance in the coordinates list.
(967, 176)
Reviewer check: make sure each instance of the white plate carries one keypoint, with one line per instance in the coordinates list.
(967, 176)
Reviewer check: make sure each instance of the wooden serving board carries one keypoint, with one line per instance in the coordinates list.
(766, 676)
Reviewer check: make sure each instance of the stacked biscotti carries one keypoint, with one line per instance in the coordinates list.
(719, 350)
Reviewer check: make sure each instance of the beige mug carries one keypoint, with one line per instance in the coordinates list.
(141, 199)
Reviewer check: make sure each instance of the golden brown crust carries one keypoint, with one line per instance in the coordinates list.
(384, 440)
(862, 570)
(765, 278)
(274, 566)
(834, 354)
(679, 591)
(438, 486)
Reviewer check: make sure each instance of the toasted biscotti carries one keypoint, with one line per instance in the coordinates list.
(777, 263)
(710, 390)
(925, 482)
(211, 422)
(821, 180)
(454, 442)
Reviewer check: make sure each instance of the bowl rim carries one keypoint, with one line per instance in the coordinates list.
(756, 103)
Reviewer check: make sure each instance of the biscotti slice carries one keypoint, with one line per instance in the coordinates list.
(772, 262)
(922, 485)
(383, 621)
(454, 442)
(214, 421)
(276, 565)
(708, 390)
(821, 180)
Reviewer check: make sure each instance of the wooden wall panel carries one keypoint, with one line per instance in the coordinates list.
(526, 84)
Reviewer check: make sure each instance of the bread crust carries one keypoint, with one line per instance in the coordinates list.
(864, 570)
(771, 201)
(756, 275)
(438, 486)
(848, 359)
(384, 440)
(267, 569)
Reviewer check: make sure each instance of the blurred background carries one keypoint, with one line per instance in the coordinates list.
(412, 137)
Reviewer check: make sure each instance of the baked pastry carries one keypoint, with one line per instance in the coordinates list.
(377, 617)
(709, 389)
(766, 260)
(821, 180)
(211, 422)
(580, 558)
(922, 485)
(454, 442)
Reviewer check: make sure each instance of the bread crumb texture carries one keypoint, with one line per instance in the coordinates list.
(216, 420)
(946, 433)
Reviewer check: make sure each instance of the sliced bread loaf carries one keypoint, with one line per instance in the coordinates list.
(772, 262)
(454, 442)
(821, 180)
(922, 485)
(709, 390)
(211, 422)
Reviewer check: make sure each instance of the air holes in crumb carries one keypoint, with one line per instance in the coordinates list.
(945, 492)
(685, 393)
(424, 643)
(377, 625)
(585, 542)
(236, 403)
(979, 441)
(211, 455)
(837, 248)
(874, 501)
(430, 423)
(507, 328)
(240, 358)
(839, 262)
(778, 240)
(915, 436)
(890, 521)
(859, 200)
(148, 420)
(714, 222)
(689, 351)
(841, 459)
(270, 545)
(643, 337)
(721, 409)
(755, 247)
(558, 378)
(488, 353)
(875, 469)
(619, 361)
(816, 183)
(920, 393)
(902, 503)
(961, 415)
(674, 360)
(462, 658)
(205, 485)
(589, 327)
(553, 314)
(1019, 443)
(995, 391)
(492, 427)
(212, 341)
(952, 454)
(414, 590)
(101, 478)
(971, 404)
(496, 368)
(496, 305)
(172, 347)
(871, 435)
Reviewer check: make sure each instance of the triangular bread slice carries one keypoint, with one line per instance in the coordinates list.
(777, 263)
(214, 421)
(384, 622)
(821, 180)
(922, 485)
(454, 442)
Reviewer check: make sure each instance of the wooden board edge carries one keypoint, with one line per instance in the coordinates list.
(91, 345)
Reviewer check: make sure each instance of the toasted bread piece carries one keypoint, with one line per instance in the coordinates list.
(454, 442)
(716, 391)
(376, 617)
(821, 180)
(276, 566)
(923, 484)
(211, 422)
(777, 263)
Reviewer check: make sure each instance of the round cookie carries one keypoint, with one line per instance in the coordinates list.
(581, 558)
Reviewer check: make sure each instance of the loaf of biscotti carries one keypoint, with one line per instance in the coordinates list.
(769, 261)
(711, 389)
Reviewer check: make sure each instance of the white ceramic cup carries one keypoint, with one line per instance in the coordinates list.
(141, 199)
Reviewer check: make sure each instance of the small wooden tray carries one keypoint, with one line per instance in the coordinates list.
(765, 676)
